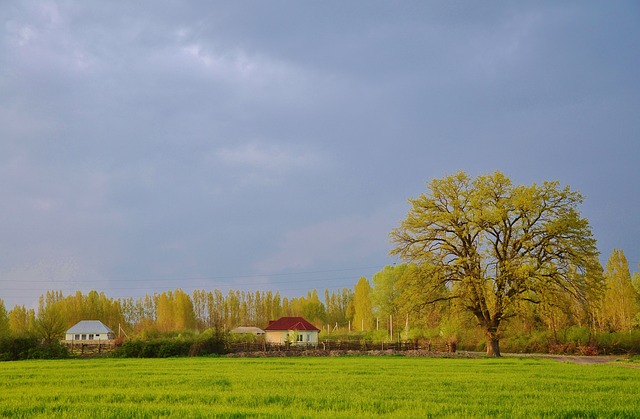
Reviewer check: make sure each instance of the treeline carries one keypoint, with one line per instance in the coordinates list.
(394, 305)
(172, 311)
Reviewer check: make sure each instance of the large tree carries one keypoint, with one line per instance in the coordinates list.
(496, 245)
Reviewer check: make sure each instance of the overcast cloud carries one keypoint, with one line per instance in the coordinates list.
(152, 145)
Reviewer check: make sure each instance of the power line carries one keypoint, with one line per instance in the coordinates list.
(70, 286)
(207, 278)
(75, 284)
(155, 290)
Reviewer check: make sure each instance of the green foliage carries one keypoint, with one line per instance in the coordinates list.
(337, 307)
(387, 290)
(619, 342)
(336, 387)
(53, 350)
(20, 348)
(620, 301)
(572, 340)
(207, 343)
(21, 322)
(4, 320)
(174, 311)
(13, 349)
(210, 342)
(49, 323)
(496, 245)
(362, 306)
(536, 342)
(310, 307)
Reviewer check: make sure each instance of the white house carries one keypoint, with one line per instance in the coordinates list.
(90, 330)
(247, 330)
(292, 330)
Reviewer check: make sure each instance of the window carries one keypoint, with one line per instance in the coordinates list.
(77, 337)
(84, 337)
(299, 338)
(91, 337)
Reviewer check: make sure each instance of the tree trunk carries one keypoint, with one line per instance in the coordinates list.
(493, 343)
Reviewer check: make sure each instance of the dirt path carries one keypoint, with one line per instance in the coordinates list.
(598, 359)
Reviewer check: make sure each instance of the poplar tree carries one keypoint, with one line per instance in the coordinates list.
(619, 305)
(362, 306)
(21, 321)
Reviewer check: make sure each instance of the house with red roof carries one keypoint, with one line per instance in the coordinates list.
(291, 330)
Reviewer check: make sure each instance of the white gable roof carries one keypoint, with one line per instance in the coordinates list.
(89, 326)
(248, 329)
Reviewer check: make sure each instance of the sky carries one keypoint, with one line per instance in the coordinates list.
(152, 145)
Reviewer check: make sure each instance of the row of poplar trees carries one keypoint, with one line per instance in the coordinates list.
(172, 311)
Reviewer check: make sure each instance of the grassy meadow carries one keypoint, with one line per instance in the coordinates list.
(317, 387)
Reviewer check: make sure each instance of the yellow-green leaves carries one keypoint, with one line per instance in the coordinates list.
(619, 306)
(505, 242)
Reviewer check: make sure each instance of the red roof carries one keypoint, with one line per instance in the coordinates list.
(290, 323)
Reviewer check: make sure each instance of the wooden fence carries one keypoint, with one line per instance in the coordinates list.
(345, 345)
(89, 347)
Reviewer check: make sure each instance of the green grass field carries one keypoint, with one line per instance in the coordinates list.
(317, 387)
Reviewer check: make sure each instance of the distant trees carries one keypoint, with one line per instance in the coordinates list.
(310, 307)
(496, 246)
(620, 300)
(337, 306)
(21, 321)
(174, 312)
(49, 323)
(386, 295)
(362, 306)
(4, 320)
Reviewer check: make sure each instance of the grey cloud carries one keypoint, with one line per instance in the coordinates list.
(198, 139)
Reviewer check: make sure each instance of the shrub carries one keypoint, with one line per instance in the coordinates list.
(14, 349)
(577, 335)
(208, 342)
(53, 350)
(619, 342)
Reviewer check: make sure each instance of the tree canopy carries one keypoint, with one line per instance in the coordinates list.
(496, 245)
(620, 297)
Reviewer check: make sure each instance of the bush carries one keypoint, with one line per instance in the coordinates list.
(208, 342)
(535, 342)
(619, 342)
(576, 335)
(14, 349)
(53, 350)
